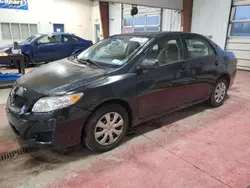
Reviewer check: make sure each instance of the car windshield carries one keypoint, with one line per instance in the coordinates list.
(113, 51)
(29, 39)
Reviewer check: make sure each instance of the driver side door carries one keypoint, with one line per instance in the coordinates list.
(164, 88)
(47, 48)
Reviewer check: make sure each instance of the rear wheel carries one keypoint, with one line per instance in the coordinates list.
(106, 128)
(219, 93)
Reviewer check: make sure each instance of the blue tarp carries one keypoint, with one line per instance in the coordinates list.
(9, 77)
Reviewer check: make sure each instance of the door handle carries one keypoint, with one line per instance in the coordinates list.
(216, 63)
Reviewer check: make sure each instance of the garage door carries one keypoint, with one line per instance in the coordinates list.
(239, 33)
(147, 19)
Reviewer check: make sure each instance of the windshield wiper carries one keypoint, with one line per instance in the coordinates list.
(88, 61)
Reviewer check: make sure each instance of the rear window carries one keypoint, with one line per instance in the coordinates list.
(68, 38)
(198, 48)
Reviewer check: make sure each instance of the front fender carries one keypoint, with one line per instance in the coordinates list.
(27, 51)
(113, 88)
(122, 87)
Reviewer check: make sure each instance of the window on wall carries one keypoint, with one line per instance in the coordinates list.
(5, 28)
(25, 30)
(17, 31)
(241, 21)
(141, 23)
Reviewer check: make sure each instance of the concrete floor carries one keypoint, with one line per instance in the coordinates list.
(195, 147)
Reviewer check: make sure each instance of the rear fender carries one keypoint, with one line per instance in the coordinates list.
(77, 51)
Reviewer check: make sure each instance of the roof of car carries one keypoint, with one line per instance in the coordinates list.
(61, 33)
(158, 34)
(56, 33)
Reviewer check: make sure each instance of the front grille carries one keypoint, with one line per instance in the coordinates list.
(19, 101)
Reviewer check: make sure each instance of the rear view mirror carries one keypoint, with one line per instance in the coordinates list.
(148, 64)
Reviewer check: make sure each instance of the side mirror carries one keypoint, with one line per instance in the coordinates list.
(148, 64)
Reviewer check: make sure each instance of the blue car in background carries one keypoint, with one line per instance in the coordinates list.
(44, 48)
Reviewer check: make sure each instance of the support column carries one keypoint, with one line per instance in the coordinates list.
(186, 15)
(104, 12)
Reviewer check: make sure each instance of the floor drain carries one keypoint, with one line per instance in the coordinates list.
(21, 151)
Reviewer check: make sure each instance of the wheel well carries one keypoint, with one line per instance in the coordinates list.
(27, 56)
(227, 77)
(76, 52)
(123, 103)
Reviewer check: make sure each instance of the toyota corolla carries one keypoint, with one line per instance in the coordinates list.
(96, 96)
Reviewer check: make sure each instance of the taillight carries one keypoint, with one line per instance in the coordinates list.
(236, 60)
(91, 43)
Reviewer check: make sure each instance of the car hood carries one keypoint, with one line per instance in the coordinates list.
(6, 47)
(59, 77)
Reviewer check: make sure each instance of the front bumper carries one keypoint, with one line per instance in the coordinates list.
(59, 129)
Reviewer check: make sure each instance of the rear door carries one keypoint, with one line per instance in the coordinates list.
(69, 45)
(72, 44)
(204, 62)
(164, 88)
(47, 48)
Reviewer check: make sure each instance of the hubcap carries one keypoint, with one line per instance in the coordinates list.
(220, 92)
(109, 128)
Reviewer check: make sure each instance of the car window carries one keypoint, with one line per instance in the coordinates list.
(115, 50)
(49, 39)
(198, 48)
(166, 51)
(68, 38)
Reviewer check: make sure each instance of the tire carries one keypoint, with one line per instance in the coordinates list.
(219, 93)
(98, 132)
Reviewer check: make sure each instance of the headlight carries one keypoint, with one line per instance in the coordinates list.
(48, 104)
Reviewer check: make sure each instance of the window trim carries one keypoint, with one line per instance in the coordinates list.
(154, 42)
(62, 39)
(182, 49)
(206, 42)
(49, 42)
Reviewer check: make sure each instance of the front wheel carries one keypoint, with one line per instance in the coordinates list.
(106, 128)
(219, 93)
(26, 63)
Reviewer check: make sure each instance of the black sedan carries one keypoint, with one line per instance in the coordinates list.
(94, 98)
